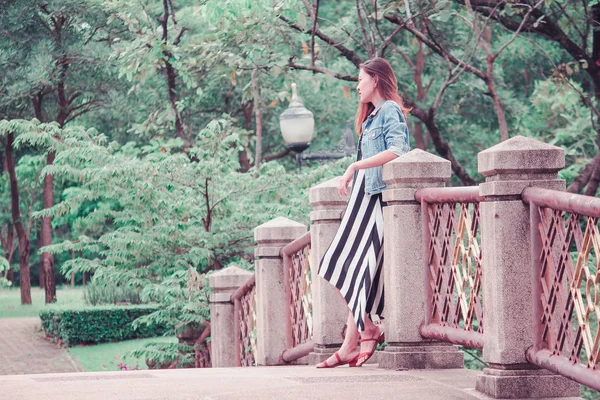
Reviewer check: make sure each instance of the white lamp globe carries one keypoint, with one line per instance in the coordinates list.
(297, 124)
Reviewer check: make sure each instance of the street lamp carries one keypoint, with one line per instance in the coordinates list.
(297, 127)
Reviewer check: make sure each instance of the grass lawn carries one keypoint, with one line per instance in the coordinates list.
(107, 356)
(10, 301)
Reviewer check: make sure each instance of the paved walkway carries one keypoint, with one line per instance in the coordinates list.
(264, 383)
(23, 350)
(240, 383)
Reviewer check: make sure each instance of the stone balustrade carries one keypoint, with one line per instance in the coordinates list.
(506, 273)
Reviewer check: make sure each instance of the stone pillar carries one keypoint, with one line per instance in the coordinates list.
(405, 267)
(223, 284)
(270, 291)
(330, 311)
(507, 268)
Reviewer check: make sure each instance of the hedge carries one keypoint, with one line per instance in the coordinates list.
(98, 324)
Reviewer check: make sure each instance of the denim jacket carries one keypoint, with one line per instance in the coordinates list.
(384, 129)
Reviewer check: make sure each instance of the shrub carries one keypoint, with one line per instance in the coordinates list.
(97, 294)
(98, 324)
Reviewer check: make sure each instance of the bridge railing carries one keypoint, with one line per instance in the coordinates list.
(461, 280)
(244, 303)
(298, 298)
(454, 311)
(566, 247)
(297, 284)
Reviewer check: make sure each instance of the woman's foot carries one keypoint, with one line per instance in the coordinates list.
(368, 344)
(340, 357)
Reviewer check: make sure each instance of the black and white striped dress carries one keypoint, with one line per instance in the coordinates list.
(353, 263)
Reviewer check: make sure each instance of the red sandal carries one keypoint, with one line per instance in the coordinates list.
(339, 361)
(364, 357)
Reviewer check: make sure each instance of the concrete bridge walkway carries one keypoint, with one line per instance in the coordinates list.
(282, 383)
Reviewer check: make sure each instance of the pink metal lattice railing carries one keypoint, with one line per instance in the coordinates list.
(297, 282)
(566, 250)
(453, 262)
(244, 303)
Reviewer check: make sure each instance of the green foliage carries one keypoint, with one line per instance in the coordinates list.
(50, 47)
(563, 121)
(149, 218)
(4, 266)
(162, 355)
(97, 294)
(589, 394)
(112, 356)
(166, 218)
(473, 358)
(98, 324)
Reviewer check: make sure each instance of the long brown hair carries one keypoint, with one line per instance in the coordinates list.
(381, 70)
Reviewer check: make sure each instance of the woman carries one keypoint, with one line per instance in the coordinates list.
(354, 261)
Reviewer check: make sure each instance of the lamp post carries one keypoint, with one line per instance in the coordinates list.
(297, 126)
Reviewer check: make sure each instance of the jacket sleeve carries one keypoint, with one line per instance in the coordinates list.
(395, 130)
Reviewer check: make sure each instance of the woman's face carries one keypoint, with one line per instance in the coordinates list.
(366, 87)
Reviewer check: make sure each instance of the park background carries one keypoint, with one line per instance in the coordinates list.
(140, 141)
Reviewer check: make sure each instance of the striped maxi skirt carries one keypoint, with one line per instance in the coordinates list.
(353, 263)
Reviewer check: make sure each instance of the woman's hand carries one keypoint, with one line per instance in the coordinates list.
(345, 180)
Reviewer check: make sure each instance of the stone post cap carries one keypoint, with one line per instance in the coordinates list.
(521, 155)
(225, 282)
(279, 230)
(327, 202)
(327, 193)
(231, 277)
(417, 166)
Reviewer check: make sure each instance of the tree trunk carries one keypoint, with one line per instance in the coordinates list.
(441, 146)
(73, 273)
(24, 271)
(42, 281)
(247, 109)
(584, 176)
(10, 276)
(25, 278)
(179, 128)
(8, 250)
(592, 186)
(171, 75)
(315, 26)
(596, 47)
(258, 112)
(498, 106)
(243, 160)
(419, 68)
(47, 259)
(418, 135)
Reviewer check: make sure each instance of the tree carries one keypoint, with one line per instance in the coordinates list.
(573, 26)
(375, 41)
(54, 46)
(167, 220)
(8, 131)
